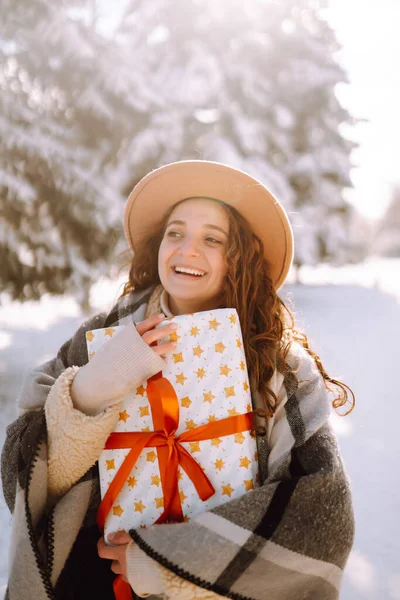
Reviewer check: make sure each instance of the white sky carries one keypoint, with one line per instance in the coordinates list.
(369, 33)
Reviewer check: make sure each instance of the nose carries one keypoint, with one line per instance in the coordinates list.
(188, 247)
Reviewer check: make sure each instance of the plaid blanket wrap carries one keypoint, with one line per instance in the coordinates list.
(286, 540)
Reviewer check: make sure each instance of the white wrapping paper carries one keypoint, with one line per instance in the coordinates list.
(208, 372)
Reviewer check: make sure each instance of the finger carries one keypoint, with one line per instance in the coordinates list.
(156, 334)
(164, 348)
(116, 567)
(119, 538)
(105, 551)
(149, 323)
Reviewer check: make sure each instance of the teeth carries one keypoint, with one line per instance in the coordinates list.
(190, 271)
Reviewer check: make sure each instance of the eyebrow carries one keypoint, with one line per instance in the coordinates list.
(208, 225)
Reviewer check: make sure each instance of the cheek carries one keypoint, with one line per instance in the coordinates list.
(162, 257)
(220, 266)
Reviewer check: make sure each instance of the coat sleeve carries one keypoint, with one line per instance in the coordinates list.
(24, 434)
(38, 382)
(75, 440)
(147, 577)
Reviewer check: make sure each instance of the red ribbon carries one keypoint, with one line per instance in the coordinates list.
(165, 411)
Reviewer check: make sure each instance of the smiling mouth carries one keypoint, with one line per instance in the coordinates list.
(183, 272)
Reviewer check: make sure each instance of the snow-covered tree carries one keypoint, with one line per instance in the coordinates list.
(67, 98)
(84, 116)
(251, 84)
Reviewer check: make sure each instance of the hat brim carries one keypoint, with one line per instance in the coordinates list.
(164, 187)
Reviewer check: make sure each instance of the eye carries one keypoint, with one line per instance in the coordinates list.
(213, 240)
(172, 233)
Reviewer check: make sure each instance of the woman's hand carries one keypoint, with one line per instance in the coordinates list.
(151, 335)
(116, 553)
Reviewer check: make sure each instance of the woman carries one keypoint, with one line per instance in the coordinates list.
(204, 236)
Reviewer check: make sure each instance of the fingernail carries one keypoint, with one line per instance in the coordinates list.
(161, 315)
(111, 537)
(174, 326)
(174, 344)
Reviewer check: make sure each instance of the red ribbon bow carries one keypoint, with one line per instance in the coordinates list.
(170, 453)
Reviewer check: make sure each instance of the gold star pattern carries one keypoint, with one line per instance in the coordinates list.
(211, 418)
(239, 438)
(214, 324)
(200, 373)
(159, 502)
(238, 343)
(216, 442)
(110, 464)
(242, 365)
(232, 412)
(194, 331)
(145, 429)
(174, 337)
(151, 456)
(194, 447)
(91, 354)
(230, 391)
(190, 424)
(208, 397)
(245, 462)
(249, 408)
(132, 482)
(219, 347)
(144, 411)
(139, 507)
(186, 402)
(232, 318)
(219, 464)
(155, 480)
(179, 475)
(224, 370)
(197, 351)
(140, 391)
(89, 336)
(180, 378)
(255, 455)
(118, 510)
(186, 518)
(124, 416)
(227, 490)
(245, 386)
(182, 496)
(248, 484)
(178, 358)
(109, 331)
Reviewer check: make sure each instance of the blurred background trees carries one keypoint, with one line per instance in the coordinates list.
(387, 235)
(90, 104)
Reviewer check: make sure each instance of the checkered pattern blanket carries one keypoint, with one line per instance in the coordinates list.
(289, 538)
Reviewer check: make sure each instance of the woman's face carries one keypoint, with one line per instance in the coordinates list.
(196, 238)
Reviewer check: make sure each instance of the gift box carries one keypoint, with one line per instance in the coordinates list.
(204, 454)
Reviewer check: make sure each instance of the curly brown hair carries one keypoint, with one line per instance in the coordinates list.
(267, 324)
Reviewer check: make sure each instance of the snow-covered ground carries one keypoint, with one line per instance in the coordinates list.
(352, 317)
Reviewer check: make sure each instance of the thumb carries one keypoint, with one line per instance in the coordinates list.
(119, 538)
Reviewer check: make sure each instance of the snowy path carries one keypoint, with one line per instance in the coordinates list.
(356, 331)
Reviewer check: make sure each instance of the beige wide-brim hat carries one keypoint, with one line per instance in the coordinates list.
(162, 188)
